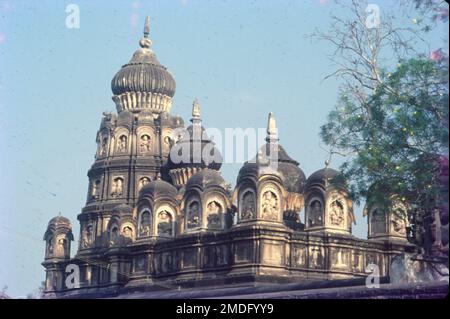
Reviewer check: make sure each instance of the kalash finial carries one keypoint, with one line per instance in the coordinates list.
(327, 163)
(272, 130)
(196, 109)
(145, 42)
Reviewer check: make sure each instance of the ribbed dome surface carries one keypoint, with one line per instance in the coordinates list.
(158, 187)
(143, 73)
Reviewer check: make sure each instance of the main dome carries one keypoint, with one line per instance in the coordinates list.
(143, 83)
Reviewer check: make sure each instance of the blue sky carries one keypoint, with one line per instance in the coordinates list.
(242, 59)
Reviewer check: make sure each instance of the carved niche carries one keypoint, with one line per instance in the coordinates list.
(270, 205)
(336, 214)
(214, 215)
(164, 223)
(193, 215)
(145, 224)
(142, 182)
(377, 221)
(122, 144)
(145, 144)
(315, 213)
(248, 205)
(117, 187)
(114, 235)
(87, 236)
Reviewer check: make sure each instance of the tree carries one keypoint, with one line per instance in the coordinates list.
(391, 119)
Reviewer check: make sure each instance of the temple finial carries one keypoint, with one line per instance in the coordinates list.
(327, 163)
(145, 42)
(147, 27)
(196, 109)
(272, 130)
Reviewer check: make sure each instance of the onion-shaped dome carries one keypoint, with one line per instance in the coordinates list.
(158, 188)
(194, 149)
(205, 179)
(143, 83)
(59, 221)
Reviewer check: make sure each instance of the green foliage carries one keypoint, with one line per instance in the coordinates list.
(396, 135)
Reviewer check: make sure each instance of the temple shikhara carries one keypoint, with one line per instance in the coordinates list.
(154, 222)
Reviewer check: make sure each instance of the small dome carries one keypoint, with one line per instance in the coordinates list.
(202, 151)
(157, 188)
(205, 179)
(273, 155)
(324, 176)
(59, 221)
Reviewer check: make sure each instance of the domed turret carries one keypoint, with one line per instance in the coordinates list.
(193, 152)
(143, 83)
(328, 206)
(58, 237)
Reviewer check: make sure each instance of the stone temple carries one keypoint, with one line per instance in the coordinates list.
(155, 222)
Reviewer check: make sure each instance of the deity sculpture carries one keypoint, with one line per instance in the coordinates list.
(164, 224)
(248, 206)
(103, 147)
(315, 214)
(122, 145)
(336, 214)
(193, 215)
(145, 144)
(143, 181)
(117, 187)
(270, 206)
(214, 211)
(128, 233)
(398, 225)
(144, 227)
(86, 241)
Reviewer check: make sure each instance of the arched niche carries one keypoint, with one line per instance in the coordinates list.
(103, 141)
(215, 209)
(193, 212)
(127, 232)
(145, 222)
(377, 221)
(270, 202)
(337, 213)
(117, 186)
(165, 221)
(315, 211)
(143, 180)
(247, 204)
(145, 140)
(121, 141)
(113, 232)
(87, 236)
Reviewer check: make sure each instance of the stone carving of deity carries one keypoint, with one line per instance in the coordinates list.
(398, 225)
(315, 214)
(336, 214)
(117, 187)
(127, 233)
(145, 144)
(270, 206)
(87, 237)
(103, 147)
(122, 144)
(143, 181)
(95, 189)
(248, 206)
(50, 246)
(168, 142)
(144, 227)
(193, 215)
(164, 224)
(61, 246)
(214, 211)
